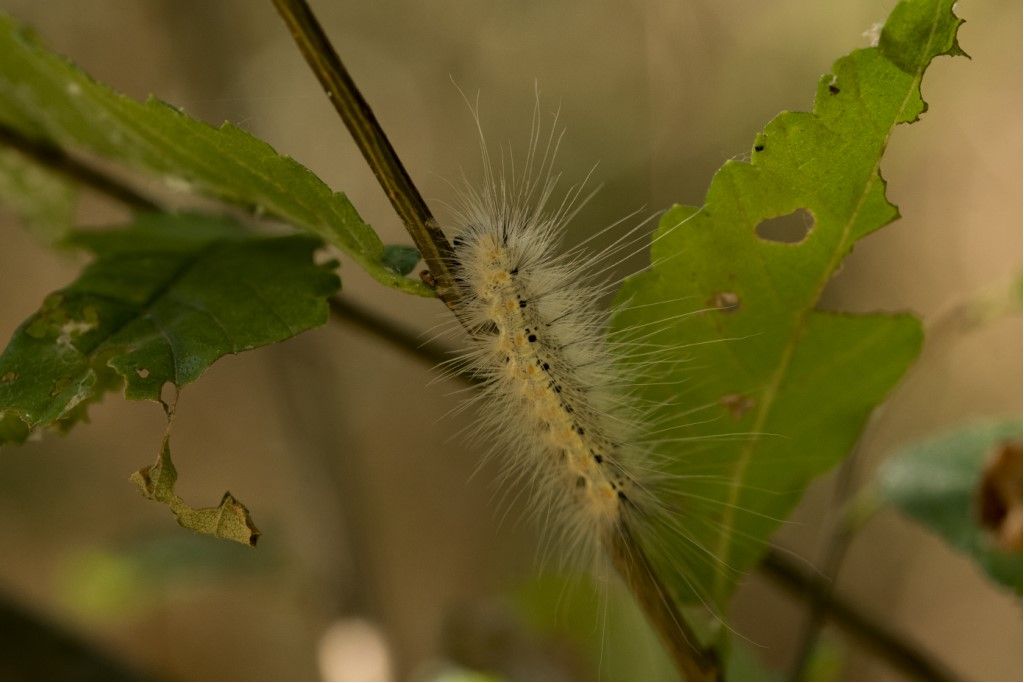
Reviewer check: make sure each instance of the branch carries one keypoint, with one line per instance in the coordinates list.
(629, 559)
(880, 638)
(400, 338)
(59, 161)
(838, 542)
(373, 143)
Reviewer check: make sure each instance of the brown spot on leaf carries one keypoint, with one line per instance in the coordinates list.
(736, 404)
(9, 377)
(999, 496)
(725, 301)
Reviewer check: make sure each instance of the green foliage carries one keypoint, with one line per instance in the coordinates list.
(164, 299)
(942, 483)
(42, 200)
(786, 387)
(400, 258)
(45, 97)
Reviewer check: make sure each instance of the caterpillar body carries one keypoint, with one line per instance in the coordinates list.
(549, 379)
(556, 403)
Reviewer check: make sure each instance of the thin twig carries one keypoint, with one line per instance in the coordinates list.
(61, 162)
(373, 143)
(629, 559)
(875, 635)
(400, 338)
(838, 542)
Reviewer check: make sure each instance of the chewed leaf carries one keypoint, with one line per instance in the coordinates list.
(229, 520)
(45, 97)
(966, 487)
(42, 200)
(164, 299)
(784, 388)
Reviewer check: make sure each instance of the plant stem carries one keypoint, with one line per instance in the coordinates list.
(373, 143)
(875, 635)
(59, 161)
(839, 537)
(399, 337)
(632, 563)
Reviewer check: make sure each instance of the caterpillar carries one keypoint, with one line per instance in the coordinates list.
(555, 402)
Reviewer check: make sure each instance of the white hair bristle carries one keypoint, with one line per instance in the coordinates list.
(555, 401)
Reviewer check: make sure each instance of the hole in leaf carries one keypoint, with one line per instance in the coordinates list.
(792, 228)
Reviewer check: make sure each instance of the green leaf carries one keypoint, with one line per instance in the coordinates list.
(45, 97)
(229, 520)
(952, 485)
(42, 200)
(164, 299)
(401, 258)
(784, 388)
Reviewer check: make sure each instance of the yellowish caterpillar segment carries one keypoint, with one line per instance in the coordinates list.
(544, 366)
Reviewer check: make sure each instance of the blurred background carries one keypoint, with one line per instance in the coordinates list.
(381, 555)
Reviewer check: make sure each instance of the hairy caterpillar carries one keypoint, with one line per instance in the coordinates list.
(556, 399)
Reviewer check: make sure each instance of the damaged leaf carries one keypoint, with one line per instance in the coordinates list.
(786, 386)
(164, 299)
(229, 520)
